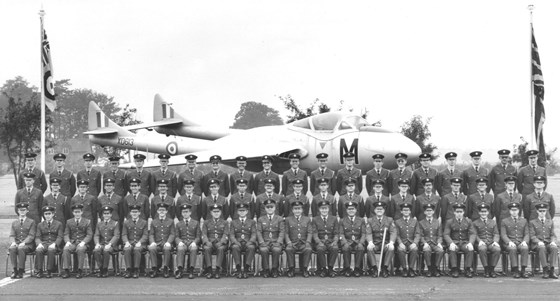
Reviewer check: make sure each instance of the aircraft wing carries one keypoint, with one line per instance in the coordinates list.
(171, 121)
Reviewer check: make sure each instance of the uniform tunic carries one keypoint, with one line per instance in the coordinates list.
(194, 175)
(196, 207)
(68, 184)
(289, 175)
(21, 232)
(40, 179)
(497, 176)
(344, 174)
(373, 175)
(121, 186)
(325, 236)
(319, 174)
(258, 182)
(94, 180)
(33, 197)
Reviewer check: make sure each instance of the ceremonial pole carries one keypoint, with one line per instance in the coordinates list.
(43, 119)
(533, 138)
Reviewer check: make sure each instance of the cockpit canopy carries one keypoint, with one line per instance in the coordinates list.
(330, 122)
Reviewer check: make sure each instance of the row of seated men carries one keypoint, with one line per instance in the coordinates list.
(295, 233)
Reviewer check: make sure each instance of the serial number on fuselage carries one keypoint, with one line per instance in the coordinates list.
(125, 141)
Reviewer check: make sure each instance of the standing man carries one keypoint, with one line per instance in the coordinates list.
(325, 236)
(323, 194)
(526, 174)
(459, 234)
(421, 173)
(377, 173)
(377, 196)
(22, 236)
(428, 197)
(501, 204)
(243, 238)
(215, 232)
(451, 199)
(77, 235)
(266, 174)
(299, 232)
(515, 237)
(429, 230)
(135, 237)
(407, 240)
(58, 201)
(350, 196)
(487, 240)
(112, 200)
(297, 196)
(161, 237)
(139, 173)
(352, 230)
(89, 203)
(347, 172)
(91, 175)
(241, 196)
(398, 174)
(294, 173)
(187, 239)
(480, 197)
(270, 235)
(216, 174)
(163, 173)
(241, 173)
(162, 196)
(444, 176)
(40, 179)
(500, 172)
(539, 196)
(68, 181)
(474, 172)
(322, 172)
(135, 198)
(214, 198)
(48, 240)
(193, 200)
(106, 237)
(543, 241)
(375, 227)
(120, 184)
(32, 196)
(191, 173)
(268, 194)
(400, 198)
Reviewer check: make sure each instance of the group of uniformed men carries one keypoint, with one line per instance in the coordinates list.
(408, 212)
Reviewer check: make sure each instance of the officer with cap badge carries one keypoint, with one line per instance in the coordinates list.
(322, 172)
(77, 235)
(144, 176)
(269, 193)
(407, 240)
(422, 172)
(323, 194)
(428, 197)
(352, 238)
(134, 237)
(242, 196)
(325, 236)
(376, 196)
(431, 239)
(163, 173)
(480, 197)
(296, 196)
(294, 173)
(120, 183)
(243, 238)
(502, 201)
(191, 198)
(113, 200)
(264, 176)
(67, 179)
(451, 199)
(539, 196)
(60, 202)
(135, 198)
(527, 173)
(351, 196)
(241, 173)
(89, 202)
(48, 239)
(398, 174)
(299, 233)
(487, 240)
(40, 179)
(377, 173)
(270, 235)
(498, 173)
(214, 198)
(192, 174)
(475, 171)
(347, 172)
(400, 198)
(162, 196)
(443, 184)
(459, 235)
(106, 237)
(215, 232)
(543, 241)
(187, 238)
(31, 196)
(161, 238)
(514, 232)
(22, 238)
(91, 175)
(375, 227)
(216, 175)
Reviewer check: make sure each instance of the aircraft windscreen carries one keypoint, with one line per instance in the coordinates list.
(325, 122)
(302, 123)
(356, 121)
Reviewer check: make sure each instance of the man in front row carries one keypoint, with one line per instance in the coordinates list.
(460, 236)
(376, 227)
(270, 234)
(407, 240)
(243, 237)
(215, 233)
(106, 237)
(543, 241)
(48, 240)
(352, 231)
(515, 236)
(22, 235)
(325, 235)
(299, 233)
(429, 230)
(161, 237)
(487, 237)
(135, 237)
(187, 238)
(77, 235)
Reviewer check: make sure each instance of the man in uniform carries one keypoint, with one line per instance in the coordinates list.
(89, 203)
(60, 202)
(375, 228)
(120, 184)
(264, 175)
(161, 237)
(487, 240)
(352, 231)
(214, 198)
(241, 173)
(135, 198)
(407, 240)
(539, 196)
(106, 237)
(428, 197)
(429, 230)
(400, 198)
(215, 232)
(347, 172)
(480, 197)
(139, 173)
(270, 235)
(192, 174)
(323, 194)
(113, 200)
(543, 241)
(500, 172)
(294, 173)
(77, 235)
(296, 196)
(241, 196)
(376, 196)
(134, 237)
(459, 234)
(421, 173)
(216, 174)
(325, 236)
(322, 172)
(299, 232)
(351, 196)
(268, 194)
(162, 196)
(22, 237)
(472, 173)
(515, 237)
(192, 199)
(526, 174)
(505, 198)
(40, 179)
(243, 238)
(377, 173)
(68, 181)
(187, 239)
(48, 239)
(32, 196)
(397, 174)
(451, 199)
(444, 176)
(91, 175)
(163, 173)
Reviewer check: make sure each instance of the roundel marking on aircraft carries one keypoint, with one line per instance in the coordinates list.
(172, 148)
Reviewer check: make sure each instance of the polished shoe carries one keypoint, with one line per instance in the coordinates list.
(373, 272)
(153, 273)
(545, 273)
(105, 273)
(290, 273)
(179, 273)
(127, 274)
(266, 273)
(404, 273)
(66, 274)
(275, 273)
(523, 274)
(246, 271)
(551, 274)
(14, 274)
(430, 272)
(217, 274)
(49, 274)
(357, 272)
(323, 273)
(454, 272)
(135, 274)
(331, 272)
(191, 273)
(437, 273)
(100, 274)
(468, 273)
(79, 274)
(39, 274)
(486, 272)
(165, 272)
(385, 272)
(208, 273)
(20, 273)
(348, 272)
(515, 272)
(411, 273)
(492, 272)
(305, 273)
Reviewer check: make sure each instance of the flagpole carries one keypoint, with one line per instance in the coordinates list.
(43, 122)
(531, 91)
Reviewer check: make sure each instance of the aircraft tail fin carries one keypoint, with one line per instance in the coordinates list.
(100, 124)
(163, 110)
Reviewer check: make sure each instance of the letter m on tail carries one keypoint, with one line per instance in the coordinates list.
(344, 150)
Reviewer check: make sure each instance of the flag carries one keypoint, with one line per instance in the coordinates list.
(47, 85)
(538, 96)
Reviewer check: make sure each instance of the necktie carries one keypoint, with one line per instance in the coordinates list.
(484, 221)
(161, 220)
(77, 221)
(269, 195)
(82, 197)
(189, 197)
(539, 195)
(215, 199)
(109, 195)
(406, 220)
(215, 174)
(476, 169)
(350, 195)
(21, 222)
(88, 173)
(322, 172)
(352, 219)
(55, 196)
(400, 171)
(270, 217)
(163, 171)
(542, 221)
(428, 196)
(456, 196)
(242, 195)
(323, 196)
(134, 222)
(379, 220)
(451, 171)
(28, 191)
(115, 173)
(48, 224)
(511, 195)
(515, 219)
(403, 196)
(534, 169)
(162, 197)
(504, 166)
(242, 221)
(430, 220)
(105, 223)
(266, 173)
(324, 220)
(298, 219)
(378, 198)
(378, 173)
(59, 173)
(135, 196)
(295, 171)
(187, 223)
(482, 196)
(297, 196)
(425, 171)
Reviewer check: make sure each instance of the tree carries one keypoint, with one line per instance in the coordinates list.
(315, 108)
(418, 131)
(254, 114)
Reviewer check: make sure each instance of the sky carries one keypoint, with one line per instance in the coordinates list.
(465, 64)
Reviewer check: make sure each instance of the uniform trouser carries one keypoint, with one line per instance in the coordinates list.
(243, 246)
(133, 255)
(181, 253)
(17, 255)
(270, 247)
(40, 257)
(67, 255)
(102, 256)
(388, 255)
(512, 251)
(412, 254)
(359, 250)
(552, 251)
(153, 250)
(212, 247)
(483, 252)
(430, 248)
(326, 253)
(305, 253)
(461, 246)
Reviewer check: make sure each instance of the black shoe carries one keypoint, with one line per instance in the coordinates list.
(153, 273)
(455, 272)
(323, 273)
(39, 274)
(14, 274)
(404, 273)
(66, 274)
(246, 271)
(135, 274)
(385, 272)
(331, 272)
(217, 274)
(79, 274)
(492, 272)
(179, 273)
(191, 273)
(468, 273)
(105, 273)
(486, 272)
(357, 272)
(551, 274)
(290, 273)
(411, 273)
(208, 273)
(305, 273)
(100, 274)
(430, 272)
(275, 273)
(523, 274)
(165, 272)
(515, 271)
(20, 273)
(49, 274)
(127, 274)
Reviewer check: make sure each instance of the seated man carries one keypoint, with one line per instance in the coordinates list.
(22, 235)
(48, 240)
(270, 234)
(407, 240)
(325, 235)
(375, 228)
(352, 230)
(215, 233)
(77, 235)
(543, 240)
(106, 238)
(187, 238)
(429, 230)
(243, 237)
(299, 233)
(515, 236)
(459, 235)
(487, 236)
(161, 237)
(135, 237)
